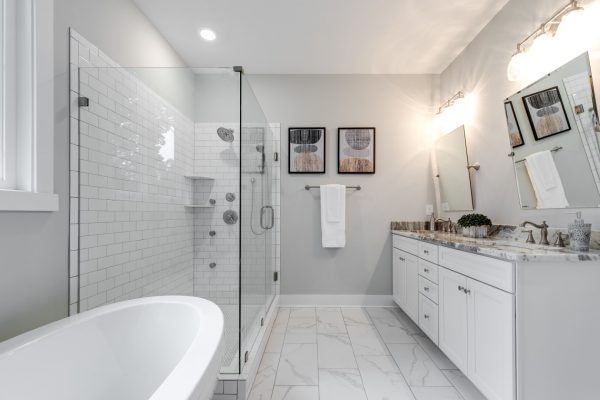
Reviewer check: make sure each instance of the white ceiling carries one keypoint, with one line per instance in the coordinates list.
(322, 36)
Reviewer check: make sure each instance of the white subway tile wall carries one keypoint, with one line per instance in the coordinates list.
(579, 89)
(130, 151)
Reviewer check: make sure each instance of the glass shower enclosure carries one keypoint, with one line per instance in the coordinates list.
(172, 171)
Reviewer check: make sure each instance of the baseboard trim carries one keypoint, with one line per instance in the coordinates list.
(339, 300)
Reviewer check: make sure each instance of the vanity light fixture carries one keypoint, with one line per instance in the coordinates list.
(450, 114)
(547, 47)
(207, 34)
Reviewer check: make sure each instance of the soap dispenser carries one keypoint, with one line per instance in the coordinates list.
(580, 234)
(432, 222)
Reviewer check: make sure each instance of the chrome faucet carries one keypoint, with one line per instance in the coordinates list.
(443, 222)
(543, 227)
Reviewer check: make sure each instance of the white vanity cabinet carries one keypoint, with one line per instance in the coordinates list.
(521, 324)
(406, 282)
(465, 306)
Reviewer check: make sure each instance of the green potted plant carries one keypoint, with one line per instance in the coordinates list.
(475, 225)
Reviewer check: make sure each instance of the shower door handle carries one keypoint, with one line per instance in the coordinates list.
(263, 210)
(272, 224)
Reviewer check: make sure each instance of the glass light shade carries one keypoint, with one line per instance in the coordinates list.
(543, 56)
(517, 67)
(575, 34)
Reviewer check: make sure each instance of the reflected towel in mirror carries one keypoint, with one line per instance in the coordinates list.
(545, 180)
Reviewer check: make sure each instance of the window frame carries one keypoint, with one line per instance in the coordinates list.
(32, 185)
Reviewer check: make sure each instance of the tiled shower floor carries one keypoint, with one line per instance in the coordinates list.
(371, 353)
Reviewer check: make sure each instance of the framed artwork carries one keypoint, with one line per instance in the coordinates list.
(546, 113)
(356, 150)
(514, 131)
(306, 150)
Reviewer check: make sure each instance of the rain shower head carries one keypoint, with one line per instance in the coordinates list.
(225, 134)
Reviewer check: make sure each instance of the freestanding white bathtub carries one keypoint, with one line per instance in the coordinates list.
(159, 348)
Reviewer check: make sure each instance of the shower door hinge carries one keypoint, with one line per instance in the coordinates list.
(83, 102)
(262, 322)
(276, 156)
(246, 356)
(275, 276)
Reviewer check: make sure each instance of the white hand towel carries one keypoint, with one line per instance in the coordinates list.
(546, 181)
(333, 216)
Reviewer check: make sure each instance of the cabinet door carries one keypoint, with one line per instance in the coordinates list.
(412, 288)
(399, 277)
(452, 322)
(491, 322)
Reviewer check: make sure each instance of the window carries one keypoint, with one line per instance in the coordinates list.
(26, 106)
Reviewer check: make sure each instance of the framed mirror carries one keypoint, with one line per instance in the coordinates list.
(453, 177)
(554, 133)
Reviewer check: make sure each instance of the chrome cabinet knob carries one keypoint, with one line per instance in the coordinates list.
(426, 270)
(401, 259)
(425, 288)
(461, 289)
(426, 251)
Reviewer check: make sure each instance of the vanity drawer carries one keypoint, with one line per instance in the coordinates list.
(428, 318)
(494, 272)
(428, 270)
(405, 244)
(428, 289)
(428, 251)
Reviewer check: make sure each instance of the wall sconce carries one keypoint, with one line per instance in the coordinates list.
(451, 114)
(566, 34)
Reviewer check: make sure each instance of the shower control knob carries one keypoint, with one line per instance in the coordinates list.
(212, 265)
(230, 197)
(212, 202)
(212, 233)
(230, 217)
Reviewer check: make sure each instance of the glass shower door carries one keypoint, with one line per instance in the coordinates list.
(257, 217)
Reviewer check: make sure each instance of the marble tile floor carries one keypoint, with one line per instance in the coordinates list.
(348, 353)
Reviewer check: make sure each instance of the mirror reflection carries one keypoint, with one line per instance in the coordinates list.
(554, 134)
(454, 181)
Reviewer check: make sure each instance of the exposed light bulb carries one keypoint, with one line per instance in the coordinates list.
(517, 67)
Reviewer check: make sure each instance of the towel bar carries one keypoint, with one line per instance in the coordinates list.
(554, 150)
(308, 187)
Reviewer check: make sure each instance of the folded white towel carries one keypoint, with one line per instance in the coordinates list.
(545, 180)
(333, 216)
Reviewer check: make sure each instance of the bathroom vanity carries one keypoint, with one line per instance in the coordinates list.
(520, 321)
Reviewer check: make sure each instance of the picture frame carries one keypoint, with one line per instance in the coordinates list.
(356, 150)
(514, 130)
(307, 150)
(546, 113)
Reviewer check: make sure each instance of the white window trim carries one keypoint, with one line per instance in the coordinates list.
(41, 196)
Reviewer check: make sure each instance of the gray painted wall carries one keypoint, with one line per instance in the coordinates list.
(481, 70)
(33, 246)
(398, 106)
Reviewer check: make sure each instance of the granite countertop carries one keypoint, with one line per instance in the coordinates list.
(502, 244)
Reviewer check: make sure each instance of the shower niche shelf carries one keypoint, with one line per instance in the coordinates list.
(199, 177)
(199, 205)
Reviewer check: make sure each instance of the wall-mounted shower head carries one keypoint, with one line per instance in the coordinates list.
(225, 134)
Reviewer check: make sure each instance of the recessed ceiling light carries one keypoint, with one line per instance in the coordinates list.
(208, 34)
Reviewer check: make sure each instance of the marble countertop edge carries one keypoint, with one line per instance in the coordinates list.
(501, 248)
